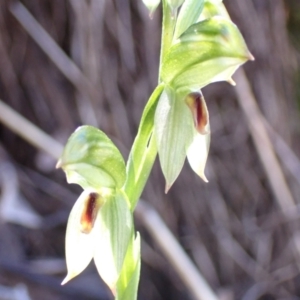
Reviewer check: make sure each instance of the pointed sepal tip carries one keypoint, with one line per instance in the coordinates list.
(251, 57)
(167, 188)
(68, 278)
(231, 82)
(59, 164)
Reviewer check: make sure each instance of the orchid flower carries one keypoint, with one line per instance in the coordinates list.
(206, 47)
(100, 223)
(181, 129)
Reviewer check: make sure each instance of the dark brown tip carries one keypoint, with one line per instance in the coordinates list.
(197, 105)
(89, 214)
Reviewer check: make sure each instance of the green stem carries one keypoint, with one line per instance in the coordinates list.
(142, 157)
(168, 25)
(143, 152)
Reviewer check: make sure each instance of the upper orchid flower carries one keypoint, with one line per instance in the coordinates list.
(206, 47)
(181, 129)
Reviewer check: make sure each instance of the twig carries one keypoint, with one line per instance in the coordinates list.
(18, 292)
(267, 156)
(60, 59)
(29, 131)
(174, 252)
(285, 153)
(78, 291)
(262, 142)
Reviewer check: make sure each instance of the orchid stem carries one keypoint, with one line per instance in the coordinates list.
(168, 25)
(144, 151)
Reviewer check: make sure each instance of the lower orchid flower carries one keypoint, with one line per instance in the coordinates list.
(100, 224)
(99, 228)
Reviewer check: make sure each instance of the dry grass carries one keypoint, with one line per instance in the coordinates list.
(95, 62)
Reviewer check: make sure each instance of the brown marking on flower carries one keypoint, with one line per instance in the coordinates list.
(197, 105)
(89, 213)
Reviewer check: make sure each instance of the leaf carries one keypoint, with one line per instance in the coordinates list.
(127, 284)
(115, 227)
(90, 159)
(189, 13)
(143, 151)
(173, 133)
(208, 51)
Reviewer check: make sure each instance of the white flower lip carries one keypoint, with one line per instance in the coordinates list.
(81, 232)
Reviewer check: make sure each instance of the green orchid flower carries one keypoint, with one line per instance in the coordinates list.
(206, 47)
(99, 228)
(200, 45)
(181, 129)
(100, 225)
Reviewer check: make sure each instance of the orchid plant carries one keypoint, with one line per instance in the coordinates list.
(200, 45)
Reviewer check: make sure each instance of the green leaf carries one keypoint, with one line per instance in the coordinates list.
(173, 132)
(90, 159)
(143, 151)
(127, 284)
(115, 228)
(188, 15)
(208, 51)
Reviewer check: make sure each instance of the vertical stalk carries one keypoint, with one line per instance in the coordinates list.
(143, 151)
(168, 25)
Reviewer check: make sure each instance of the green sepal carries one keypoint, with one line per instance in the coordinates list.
(189, 13)
(151, 5)
(208, 51)
(173, 133)
(213, 8)
(143, 151)
(174, 4)
(115, 227)
(90, 159)
(127, 284)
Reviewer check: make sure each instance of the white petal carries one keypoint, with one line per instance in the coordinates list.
(197, 154)
(104, 259)
(79, 245)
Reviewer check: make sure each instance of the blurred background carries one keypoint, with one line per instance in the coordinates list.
(64, 63)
